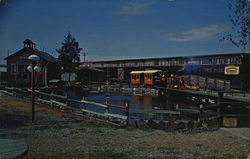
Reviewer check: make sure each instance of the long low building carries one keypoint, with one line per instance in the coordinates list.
(215, 71)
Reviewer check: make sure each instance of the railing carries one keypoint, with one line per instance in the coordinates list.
(83, 106)
(123, 114)
(102, 109)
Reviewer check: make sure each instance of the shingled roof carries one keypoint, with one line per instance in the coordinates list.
(41, 54)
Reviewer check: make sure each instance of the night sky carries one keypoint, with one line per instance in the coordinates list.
(118, 29)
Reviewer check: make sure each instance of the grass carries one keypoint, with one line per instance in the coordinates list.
(47, 127)
(79, 154)
(92, 155)
(48, 121)
(96, 154)
(167, 148)
(73, 155)
(92, 124)
(227, 156)
(11, 119)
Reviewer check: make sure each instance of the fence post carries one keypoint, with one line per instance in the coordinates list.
(219, 101)
(84, 104)
(39, 94)
(127, 111)
(66, 100)
(106, 103)
(51, 99)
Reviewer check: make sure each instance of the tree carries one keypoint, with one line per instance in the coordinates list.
(240, 19)
(69, 54)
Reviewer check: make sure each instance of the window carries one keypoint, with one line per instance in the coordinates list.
(205, 61)
(220, 61)
(181, 62)
(134, 76)
(225, 60)
(20, 68)
(208, 69)
(13, 68)
(217, 61)
(156, 62)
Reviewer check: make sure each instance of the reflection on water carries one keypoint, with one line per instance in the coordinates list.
(140, 102)
(167, 107)
(140, 107)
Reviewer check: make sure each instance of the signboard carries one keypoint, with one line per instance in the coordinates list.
(231, 70)
(229, 122)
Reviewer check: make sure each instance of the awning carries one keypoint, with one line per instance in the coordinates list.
(147, 71)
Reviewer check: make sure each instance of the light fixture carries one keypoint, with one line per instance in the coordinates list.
(34, 57)
(29, 68)
(33, 68)
(37, 68)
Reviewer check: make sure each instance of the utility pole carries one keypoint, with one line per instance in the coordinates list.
(84, 56)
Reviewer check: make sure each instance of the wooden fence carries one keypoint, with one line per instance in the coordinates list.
(83, 106)
(104, 110)
(66, 103)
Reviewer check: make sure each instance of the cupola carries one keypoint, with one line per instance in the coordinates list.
(29, 44)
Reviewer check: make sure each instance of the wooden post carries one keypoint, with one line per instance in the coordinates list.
(66, 100)
(127, 111)
(51, 98)
(219, 101)
(106, 103)
(107, 108)
(40, 95)
(84, 105)
(33, 93)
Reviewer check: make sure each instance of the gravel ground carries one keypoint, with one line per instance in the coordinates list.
(59, 134)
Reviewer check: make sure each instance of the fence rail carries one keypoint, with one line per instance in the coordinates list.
(113, 112)
(107, 111)
(65, 102)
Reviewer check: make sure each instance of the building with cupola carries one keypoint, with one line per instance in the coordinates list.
(17, 63)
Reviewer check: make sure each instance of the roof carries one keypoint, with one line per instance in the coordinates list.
(147, 71)
(41, 54)
(90, 68)
(174, 57)
(27, 41)
(136, 72)
(46, 56)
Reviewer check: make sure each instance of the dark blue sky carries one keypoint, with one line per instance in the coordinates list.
(118, 29)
